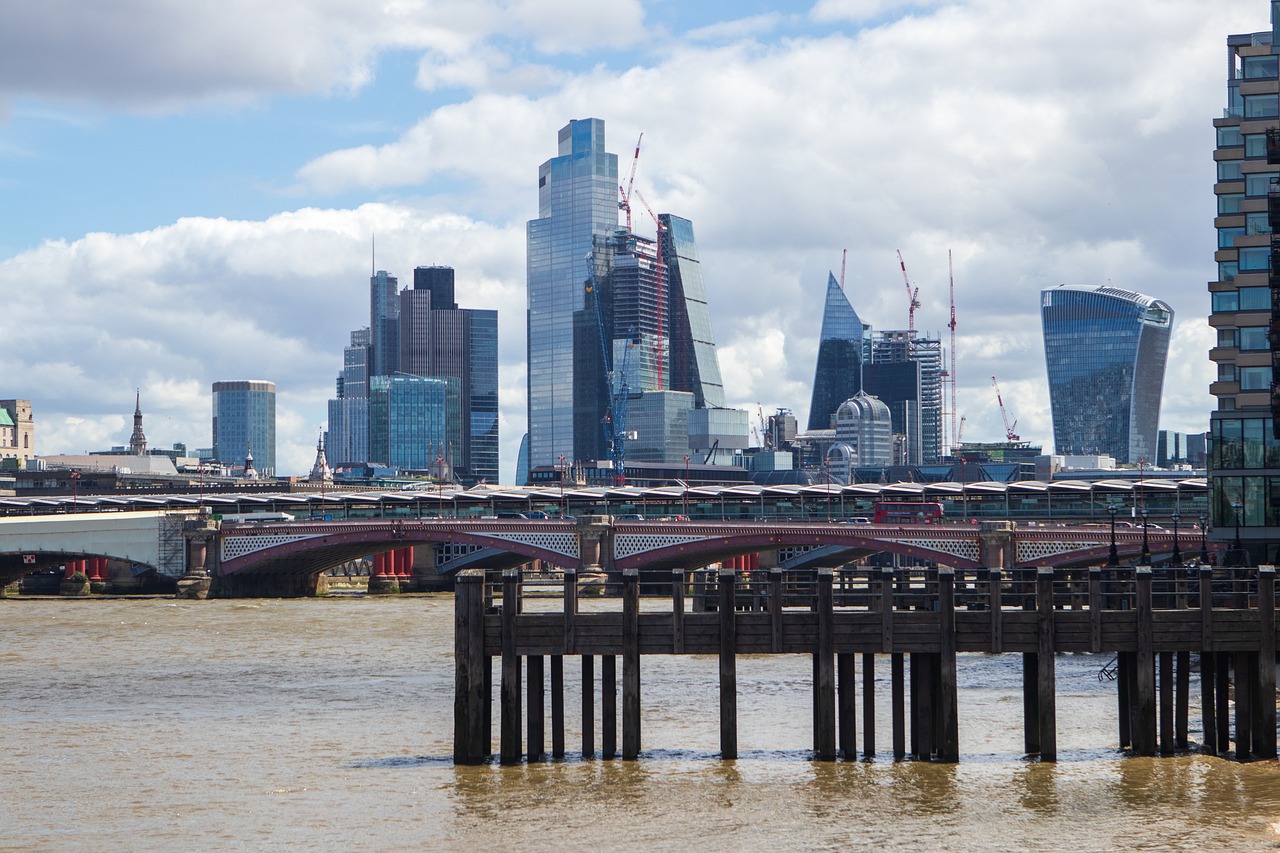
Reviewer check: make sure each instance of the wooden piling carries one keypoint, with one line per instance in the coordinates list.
(1265, 731)
(1208, 668)
(1222, 695)
(1244, 700)
(569, 645)
(824, 671)
(846, 705)
(1181, 698)
(886, 610)
(509, 745)
(630, 664)
(557, 706)
(1124, 711)
(608, 706)
(1095, 610)
(898, 706)
(728, 666)
(1144, 734)
(535, 707)
(1030, 703)
(470, 740)
(588, 706)
(775, 610)
(948, 741)
(995, 607)
(868, 705)
(677, 611)
(1164, 664)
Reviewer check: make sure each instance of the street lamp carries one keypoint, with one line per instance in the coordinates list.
(1204, 541)
(1237, 506)
(1113, 558)
(1176, 557)
(686, 486)
(1146, 551)
(75, 482)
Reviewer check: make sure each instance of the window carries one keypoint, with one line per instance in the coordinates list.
(1252, 259)
(1230, 202)
(1227, 236)
(1255, 378)
(1230, 170)
(1260, 68)
(1228, 338)
(1227, 371)
(1255, 298)
(1258, 183)
(1229, 137)
(1255, 144)
(1227, 271)
(1254, 338)
(1261, 106)
(1226, 300)
(1257, 223)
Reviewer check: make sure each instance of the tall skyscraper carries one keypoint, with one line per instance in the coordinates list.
(1243, 469)
(244, 420)
(695, 366)
(577, 201)
(347, 439)
(923, 439)
(414, 421)
(1105, 349)
(384, 324)
(838, 374)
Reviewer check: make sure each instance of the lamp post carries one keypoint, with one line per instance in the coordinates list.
(1113, 558)
(75, 483)
(686, 486)
(1146, 551)
(1176, 557)
(1204, 540)
(1237, 506)
(560, 466)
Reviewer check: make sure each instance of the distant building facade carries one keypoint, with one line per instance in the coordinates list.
(1105, 349)
(838, 374)
(244, 424)
(17, 430)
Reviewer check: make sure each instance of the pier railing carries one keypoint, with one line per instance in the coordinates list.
(1152, 620)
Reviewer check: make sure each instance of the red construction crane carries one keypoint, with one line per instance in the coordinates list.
(913, 296)
(624, 200)
(662, 276)
(1010, 435)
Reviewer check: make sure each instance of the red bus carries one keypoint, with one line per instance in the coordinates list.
(907, 512)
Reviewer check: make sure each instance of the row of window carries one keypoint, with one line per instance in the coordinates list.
(1253, 106)
(1254, 144)
(1245, 339)
(1242, 299)
(1250, 378)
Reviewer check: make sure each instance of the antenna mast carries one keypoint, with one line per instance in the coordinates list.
(955, 411)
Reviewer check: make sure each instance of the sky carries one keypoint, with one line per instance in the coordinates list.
(190, 190)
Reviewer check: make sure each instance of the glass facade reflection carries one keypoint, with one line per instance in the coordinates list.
(1105, 349)
(577, 201)
(838, 375)
(695, 367)
(244, 419)
(413, 420)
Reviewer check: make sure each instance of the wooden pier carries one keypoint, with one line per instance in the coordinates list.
(1152, 620)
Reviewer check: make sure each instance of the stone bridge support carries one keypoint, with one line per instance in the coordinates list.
(196, 581)
(996, 548)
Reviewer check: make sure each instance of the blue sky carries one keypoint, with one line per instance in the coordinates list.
(189, 189)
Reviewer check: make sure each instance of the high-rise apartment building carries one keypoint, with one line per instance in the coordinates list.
(1105, 349)
(838, 374)
(577, 202)
(1244, 464)
(244, 421)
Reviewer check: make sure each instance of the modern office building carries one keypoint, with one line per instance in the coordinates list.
(897, 385)
(347, 438)
(1105, 349)
(244, 422)
(577, 202)
(415, 422)
(838, 374)
(864, 437)
(17, 430)
(384, 324)
(923, 442)
(1244, 464)
(694, 364)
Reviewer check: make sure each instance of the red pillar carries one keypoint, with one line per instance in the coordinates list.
(408, 562)
(379, 564)
(753, 562)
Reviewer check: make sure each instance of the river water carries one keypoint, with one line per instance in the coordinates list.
(327, 725)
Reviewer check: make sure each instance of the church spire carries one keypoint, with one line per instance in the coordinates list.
(320, 471)
(138, 441)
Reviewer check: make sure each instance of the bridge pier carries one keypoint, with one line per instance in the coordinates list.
(196, 582)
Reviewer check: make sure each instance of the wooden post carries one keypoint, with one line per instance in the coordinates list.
(1222, 694)
(469, 736)
(775, 610)
(1046, 681)
(1095, 609)
(1124, 713)
(630, 664)
(1265, 732)
(608, 706)
(948, 740)
(846, 702)
(588, 706)
(898, 706)
(1208, 661)
(557, 706)
(509, 746)
(914, 665)
(677, 611)
(1144, 734)
(1164, 662)
(1181, 698)
(570, 610)
(728, 666)
(824, 671)
(886, 610)
(868, 705)
(1244, 706)
(995, 604)
(535, 706)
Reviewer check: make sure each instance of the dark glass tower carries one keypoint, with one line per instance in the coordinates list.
(1105, 349)
(695, 367)
(838, 375)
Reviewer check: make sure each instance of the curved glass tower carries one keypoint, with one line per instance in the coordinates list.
(1105, 349)
(838, 375)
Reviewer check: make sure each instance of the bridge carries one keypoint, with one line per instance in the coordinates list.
(290, 558)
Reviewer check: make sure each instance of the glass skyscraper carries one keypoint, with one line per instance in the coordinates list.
(384, 324)
(1105, 349)
(694, 364)
(414, 420)
(244, 420)
(1244, 462)
(577, 201)
(838, 374)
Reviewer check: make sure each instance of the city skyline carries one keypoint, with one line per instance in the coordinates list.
(244, 253)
